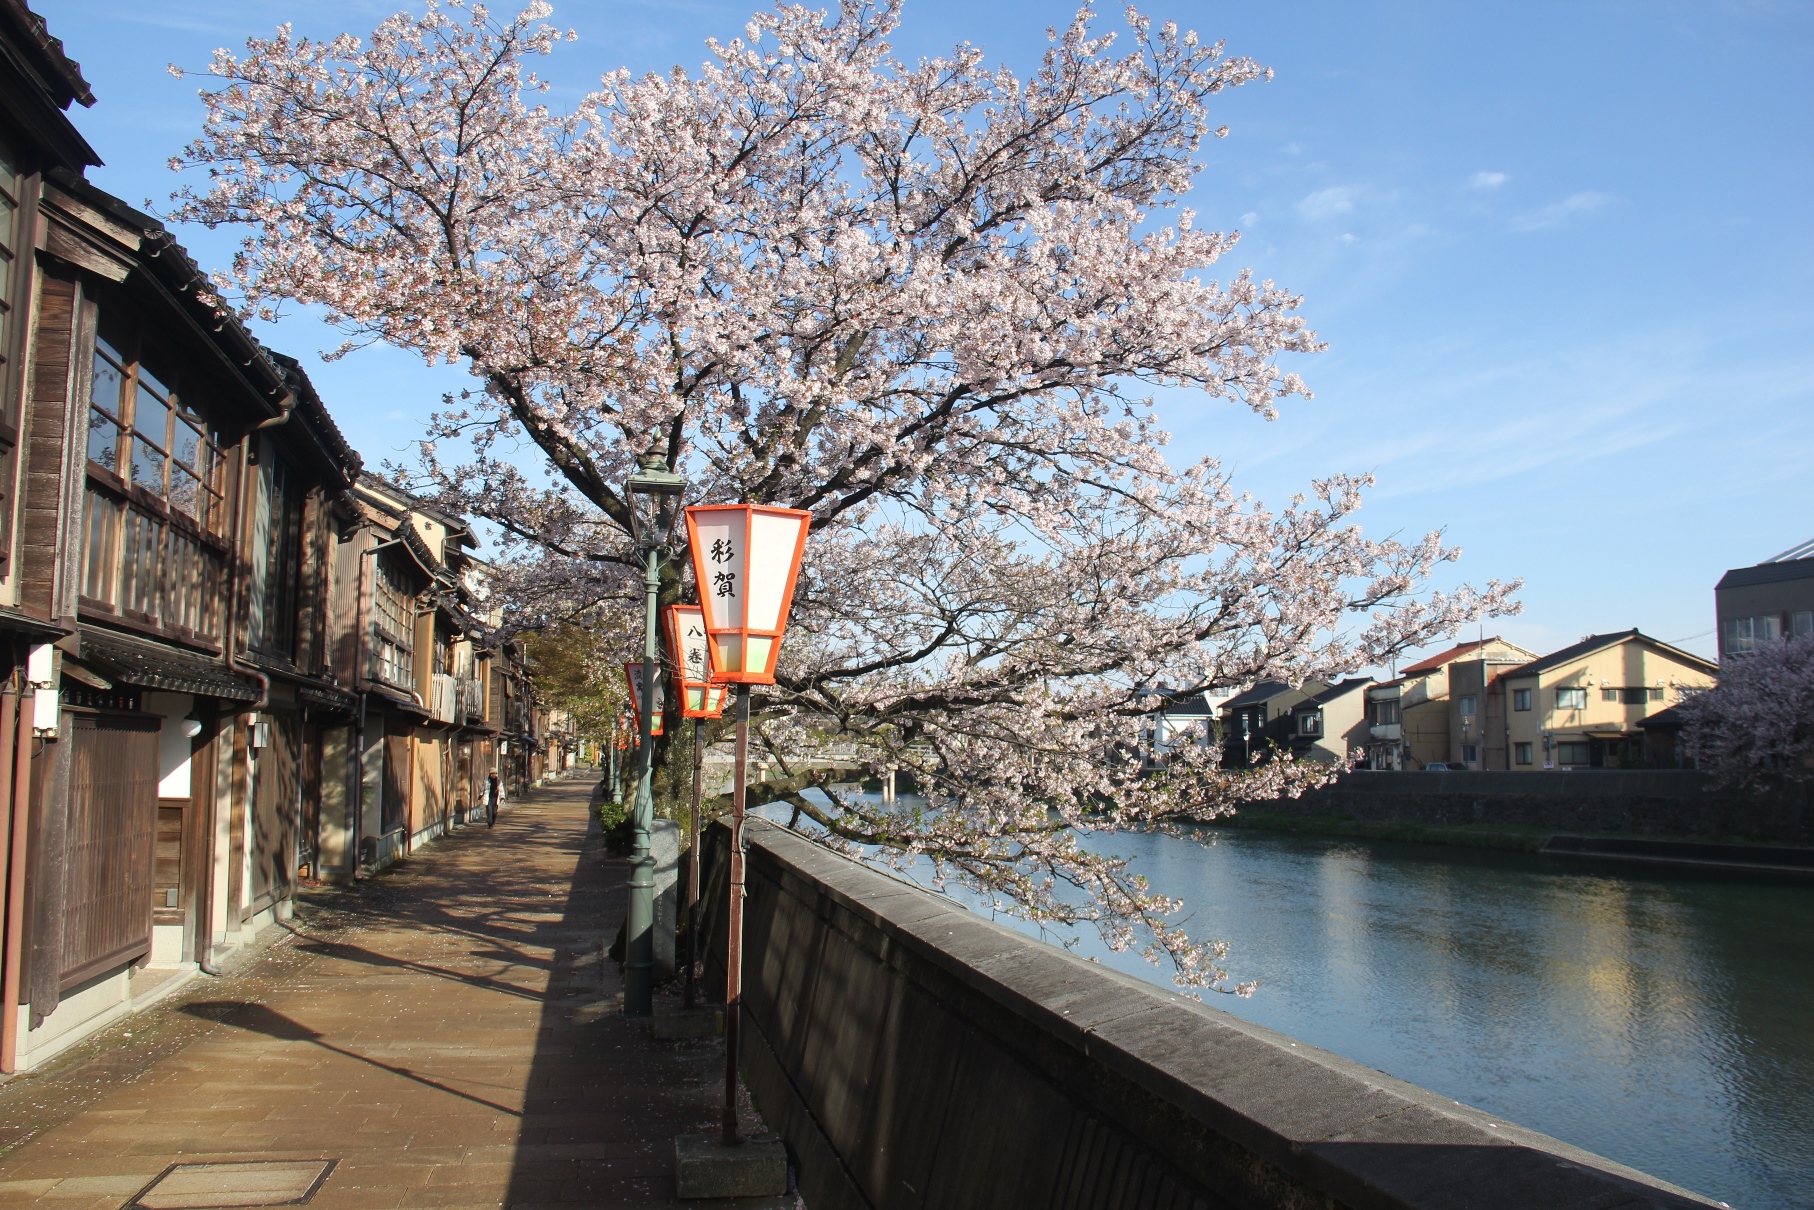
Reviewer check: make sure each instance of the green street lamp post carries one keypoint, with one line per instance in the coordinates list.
(653, 495)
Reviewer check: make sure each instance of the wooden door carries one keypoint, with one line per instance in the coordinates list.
(276, 814)
(398, 769)
(111, 844)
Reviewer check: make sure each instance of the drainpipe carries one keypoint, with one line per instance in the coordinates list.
(15, 789)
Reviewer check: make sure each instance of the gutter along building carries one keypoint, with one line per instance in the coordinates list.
(187, 725)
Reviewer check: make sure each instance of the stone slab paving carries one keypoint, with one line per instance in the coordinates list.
(447, 1033)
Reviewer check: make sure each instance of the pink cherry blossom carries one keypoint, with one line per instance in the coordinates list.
(1755, 730)
(924, 300)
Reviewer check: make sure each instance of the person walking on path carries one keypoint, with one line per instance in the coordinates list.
(491, 798)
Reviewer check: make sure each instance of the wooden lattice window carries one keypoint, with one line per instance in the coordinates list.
(393, 626)
(276, 558)
(154, 519)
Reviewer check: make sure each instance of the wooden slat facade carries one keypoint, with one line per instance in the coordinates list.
(277, 814)
(43, 525)
(111, 843)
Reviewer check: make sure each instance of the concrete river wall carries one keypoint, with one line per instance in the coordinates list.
(1657, 802)
(914, 1054)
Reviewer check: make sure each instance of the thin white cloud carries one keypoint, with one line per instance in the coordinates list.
(1327, 203)
(1487, 180)
(1557, 214)
(1250, 219)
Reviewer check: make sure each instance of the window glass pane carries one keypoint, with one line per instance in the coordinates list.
(147, 467)
(1522, 753)
(185, 490)
(103, 441)
(1467, 705)
(151, 382)
(108, 378)
(187, 446)
(1637, 695)
(1765, 628)
(103, 547)
(1609, 695)
(1801, 625)
(150, 414)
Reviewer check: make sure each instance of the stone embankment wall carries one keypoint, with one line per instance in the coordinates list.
(914, 1054)
(1652, 802)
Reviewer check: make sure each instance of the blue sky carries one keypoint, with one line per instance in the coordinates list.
(1561, 253)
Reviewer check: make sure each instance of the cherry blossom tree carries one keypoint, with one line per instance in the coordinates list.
(1755, 730)
(924, 300)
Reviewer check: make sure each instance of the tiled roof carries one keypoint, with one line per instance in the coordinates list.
(63, 74)
(1265, 691)
(1453, 653)
(134, 661)
(1597, 642)
(1334, 691)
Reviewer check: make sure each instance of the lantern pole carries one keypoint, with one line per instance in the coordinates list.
(617, 734)
(733, 959)
(639, 969)
(693, 854)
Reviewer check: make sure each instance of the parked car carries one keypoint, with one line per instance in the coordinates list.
(1439, 766)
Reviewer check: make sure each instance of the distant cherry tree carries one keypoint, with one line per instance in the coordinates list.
(923, 300)
(1755, 730)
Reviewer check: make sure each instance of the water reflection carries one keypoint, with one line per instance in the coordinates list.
(1661, 1018)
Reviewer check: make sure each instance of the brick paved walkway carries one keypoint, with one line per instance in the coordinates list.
(447, 1033)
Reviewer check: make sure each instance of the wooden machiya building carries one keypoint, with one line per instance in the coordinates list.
(181, 494)
(437, 688)
(233, 663)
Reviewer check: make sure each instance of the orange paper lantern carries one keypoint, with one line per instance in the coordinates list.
(633, 675)
(699, 696)
(746, 558)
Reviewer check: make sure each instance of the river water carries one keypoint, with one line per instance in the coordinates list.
(1661, 1018)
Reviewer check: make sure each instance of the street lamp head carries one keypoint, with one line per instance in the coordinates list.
(653, 494)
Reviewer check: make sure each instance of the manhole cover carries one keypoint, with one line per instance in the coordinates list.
(244, 1183)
